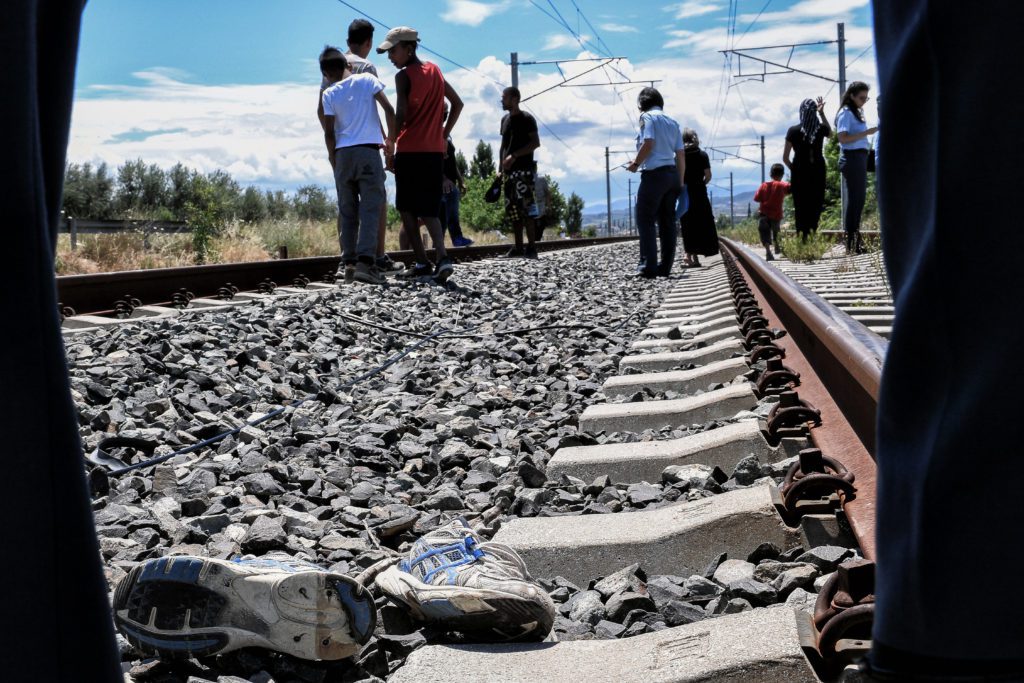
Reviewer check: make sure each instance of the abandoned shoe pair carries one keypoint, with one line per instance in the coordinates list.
(181, 606)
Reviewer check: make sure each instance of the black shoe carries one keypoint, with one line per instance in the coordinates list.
(443, 271)
(514, 252)
(531, 252)
(417, 271)
(388, 267)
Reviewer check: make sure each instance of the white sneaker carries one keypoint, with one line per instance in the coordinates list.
(453, 579)
(183, 605)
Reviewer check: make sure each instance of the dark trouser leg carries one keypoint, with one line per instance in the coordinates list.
(854, 168)
(348, 203)
(59, 622)
(667, 233)
(451, 205)
(412, 235)
(936, 419)
(648, 202)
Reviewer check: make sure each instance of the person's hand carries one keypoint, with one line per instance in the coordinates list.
(632, 166)
(447, 185)
(821, 105)
(872, 131)
(389, 148)
(507, 162)
(462, 188)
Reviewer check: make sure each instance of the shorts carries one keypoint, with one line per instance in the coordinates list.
(518, 191)
(419, 180)
(768, 230)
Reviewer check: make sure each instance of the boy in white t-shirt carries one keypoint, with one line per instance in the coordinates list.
(352, 132)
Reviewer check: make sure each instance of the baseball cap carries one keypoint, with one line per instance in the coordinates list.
(397, 35)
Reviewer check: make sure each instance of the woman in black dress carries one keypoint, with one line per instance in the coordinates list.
(700, 238)
(806, 163)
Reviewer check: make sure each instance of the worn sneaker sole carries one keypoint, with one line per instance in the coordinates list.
(369, 279)
(472, 611)
(182, 606)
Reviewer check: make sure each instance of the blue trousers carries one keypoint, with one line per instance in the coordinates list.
(950, 508)
(450, 213)
(656, 218)
(853, 165)
(58, 620)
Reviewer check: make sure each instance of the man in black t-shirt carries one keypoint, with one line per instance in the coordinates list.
(518, 141)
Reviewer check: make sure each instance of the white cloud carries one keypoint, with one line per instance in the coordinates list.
(808, 9)
(619, 28)
(561, 41)
(693, 8)
(268, 134)
(472, 12)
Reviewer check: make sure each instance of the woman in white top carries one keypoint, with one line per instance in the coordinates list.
(853, 133)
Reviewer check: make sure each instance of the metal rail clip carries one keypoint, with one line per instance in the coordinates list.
(840, 630)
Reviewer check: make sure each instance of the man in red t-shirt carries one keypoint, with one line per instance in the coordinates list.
(421, 146)
(770, 195)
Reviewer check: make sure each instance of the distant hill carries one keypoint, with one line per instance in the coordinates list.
(595, 214)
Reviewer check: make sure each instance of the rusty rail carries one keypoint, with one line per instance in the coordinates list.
(101, 292)
(840, 363)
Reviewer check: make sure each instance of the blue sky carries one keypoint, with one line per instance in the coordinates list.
(230, 84)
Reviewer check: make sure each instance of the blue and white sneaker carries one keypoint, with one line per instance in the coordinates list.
(455, 580)
(181, 606)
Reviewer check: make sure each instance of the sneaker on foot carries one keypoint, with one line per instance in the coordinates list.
(454, 579)
(387, 266)
(514, 252)
(531, 252)
(462, 242)
(443, 271)
(181, 606)
(768, 255)
(347, 273)
(368, 274)
(417, 271)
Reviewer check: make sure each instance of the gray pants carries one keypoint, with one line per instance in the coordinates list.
(359, 178)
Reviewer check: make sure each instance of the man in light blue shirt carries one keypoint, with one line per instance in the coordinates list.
(661, 157)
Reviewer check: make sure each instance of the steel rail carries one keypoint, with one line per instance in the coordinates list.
(840, 366)
(98, 293)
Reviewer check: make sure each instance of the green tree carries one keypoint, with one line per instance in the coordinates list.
(312, 203)
(461, 164)
(574, 214)
(88, 192)
(206, 215)
(277, 204)
(181, 189)
(227, 192)
(253, 207)
(557, 206)
(474, 212)
(482, 165)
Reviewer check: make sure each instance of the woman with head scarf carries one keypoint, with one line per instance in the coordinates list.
(806, 163)
(700, 238)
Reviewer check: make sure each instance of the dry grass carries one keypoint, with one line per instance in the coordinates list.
(239, 242)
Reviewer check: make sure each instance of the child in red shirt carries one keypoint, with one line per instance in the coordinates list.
(770, 196)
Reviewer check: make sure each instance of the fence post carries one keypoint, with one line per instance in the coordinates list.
(73, 228)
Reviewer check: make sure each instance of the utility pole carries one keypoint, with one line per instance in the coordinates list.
(608, 187)
(732, 207)
(515, 69)
(762, 158)
(630, 205)
(841, 39)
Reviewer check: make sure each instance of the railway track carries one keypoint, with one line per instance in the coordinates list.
(85, 299)
(737, 306)
(634, 524)
(856, 285)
